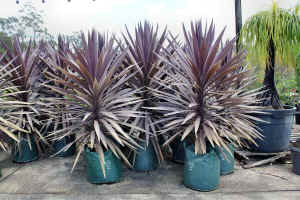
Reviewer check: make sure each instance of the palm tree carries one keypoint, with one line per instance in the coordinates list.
(272, 36)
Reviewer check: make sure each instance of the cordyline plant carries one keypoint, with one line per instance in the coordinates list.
(206, 101)
(23, 60)
(95, 97)
(8, 107)
(52, 59)
(143, 50)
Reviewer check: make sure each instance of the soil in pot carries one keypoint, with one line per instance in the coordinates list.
(276, 130)
(60, 144)
(113, 167)
(295, 148)
(24, 153)
(144, 160)
(226, 159)
(201, 172)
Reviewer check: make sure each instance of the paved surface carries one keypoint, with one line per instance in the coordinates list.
(51, 179)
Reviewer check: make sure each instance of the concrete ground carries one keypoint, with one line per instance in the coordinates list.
(51, 179)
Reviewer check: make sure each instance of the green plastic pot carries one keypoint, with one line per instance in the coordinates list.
(113, 167)
(226, 159)
(60, 144)
(25, 154)
(201, 172)
(145, 159)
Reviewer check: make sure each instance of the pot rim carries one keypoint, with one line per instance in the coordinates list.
(286, 108)
(287, 111)
(208, 153)
(108, 152)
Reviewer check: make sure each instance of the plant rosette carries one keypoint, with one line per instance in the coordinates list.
(24, 105)
(144, 48)
(205, 97)
(96, 100)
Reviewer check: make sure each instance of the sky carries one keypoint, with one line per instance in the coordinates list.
(66, 17)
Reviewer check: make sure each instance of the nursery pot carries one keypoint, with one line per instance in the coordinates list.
(24, 153)
(297, 113)
(276, 130)
(60, 144)
(144, 159)
(113, 167)
(295, 148)
(201, 172)
(178, 151)
(297, 117)
(226, 159)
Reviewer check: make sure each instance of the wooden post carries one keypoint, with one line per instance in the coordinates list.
(238, 21)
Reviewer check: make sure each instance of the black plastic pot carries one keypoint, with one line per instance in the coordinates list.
(24, 153)
(276, 130)
(178, 151)
(297, 117)
(295, 148)
(201, 172)
(113, 167)
(60, 144)
(144, 159)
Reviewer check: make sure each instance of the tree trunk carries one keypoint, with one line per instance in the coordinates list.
(238, 21)
(238, 27)
(270, 96)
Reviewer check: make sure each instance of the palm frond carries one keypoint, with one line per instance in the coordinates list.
(279, 24)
